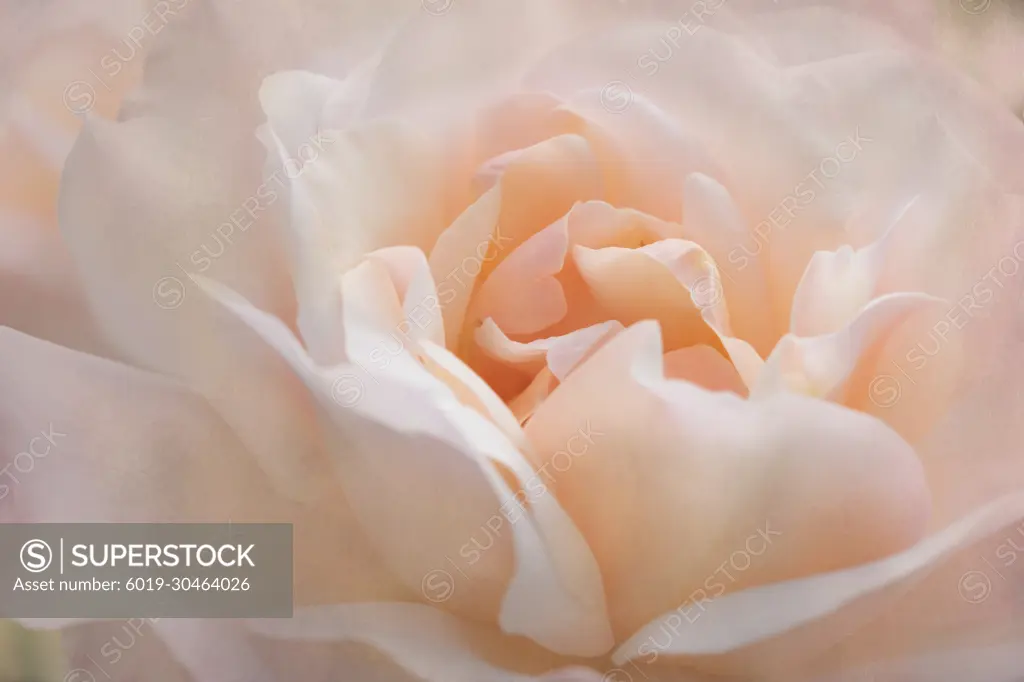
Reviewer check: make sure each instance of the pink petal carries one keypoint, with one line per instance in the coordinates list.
(671, 454)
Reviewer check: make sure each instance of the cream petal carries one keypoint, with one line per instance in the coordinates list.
(747, 361)
(462, 377)
(541, 186)
(704, 366)
(958, 392)
(796, 32)
(833, 604)
(420, 71)
(145, 205)
(795, 192)
(448, 452)
(522, 295)
(227, 49)
(999, 662)
(598, 224)
(696, 455)
(213, 650)
(294, 104)
(397, 642)
(537, 188)
(567, 352)
(428, 643)
(821, 365)
(645, 154)
(414, 284)
(472, 232)
(526, 403)
(127, 446)
(712, 219)
(40, 292)
(338, 178)
(670, 280)
(117, 467)
(560, 353)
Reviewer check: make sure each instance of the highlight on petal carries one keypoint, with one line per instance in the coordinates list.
(712, 219)
(666, 281)
(674, 455)
(834, 288)
(559, 353)
(129, 446)
(821, 365)
(450, 455)
(427, 642)
(145, 205)
(537, 188)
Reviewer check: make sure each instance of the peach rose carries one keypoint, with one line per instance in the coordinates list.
(585, 340)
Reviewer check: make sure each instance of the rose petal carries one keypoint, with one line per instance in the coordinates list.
(832, 603)
(704, 366)
(521, 295)
(560, 353)
(36, 275)
(713, 220)
(821, 365)
(145, 205)
(427, 643)
(662, 281)
(536, 189)
(139, 448)
(698, 455)
(448, 452)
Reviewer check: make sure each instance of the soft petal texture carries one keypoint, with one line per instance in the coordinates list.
(820, 365)
(555, 582)
(50, 71)
(139, 275)
(727, 624)
(139, 448)
(391, 262)
(697, 453)
(427, 642)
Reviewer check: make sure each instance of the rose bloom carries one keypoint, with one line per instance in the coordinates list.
(577, 340)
